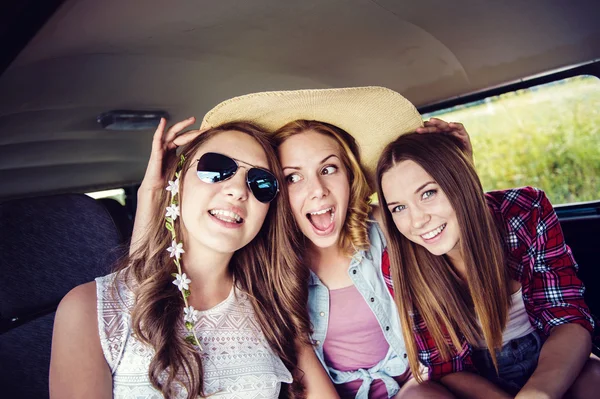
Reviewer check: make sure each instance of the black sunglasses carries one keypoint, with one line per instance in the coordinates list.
(215, 168)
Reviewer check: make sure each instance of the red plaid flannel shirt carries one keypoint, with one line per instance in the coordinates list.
(539, 259)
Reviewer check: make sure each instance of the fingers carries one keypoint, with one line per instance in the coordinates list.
(434, 125)
(158, 135)
(186, 137)
(163, 147)
(457, 128)
(428, 129)
(436, 121)
(175, 129)
(163, 142)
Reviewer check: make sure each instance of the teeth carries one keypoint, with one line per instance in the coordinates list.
(434, 233)
(321, 212)
(227, 216)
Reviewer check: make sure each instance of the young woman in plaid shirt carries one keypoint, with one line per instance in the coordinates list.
(484, 282)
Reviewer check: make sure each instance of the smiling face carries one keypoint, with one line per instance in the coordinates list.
(224, 216)
(317, 184)
(420, 209)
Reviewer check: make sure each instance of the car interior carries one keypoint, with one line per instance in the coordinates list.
(74, 74)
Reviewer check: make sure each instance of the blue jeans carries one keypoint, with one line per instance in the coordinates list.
(517, 360)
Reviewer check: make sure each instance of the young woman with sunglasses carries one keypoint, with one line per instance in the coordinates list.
(485, 279)
(356, 329)
(211, 300)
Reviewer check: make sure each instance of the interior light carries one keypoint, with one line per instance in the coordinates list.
(131, 120)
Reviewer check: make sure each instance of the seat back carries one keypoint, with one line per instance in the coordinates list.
(123, 220)
(48, 245)
(581, 234)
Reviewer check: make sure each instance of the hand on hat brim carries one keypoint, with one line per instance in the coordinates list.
(435, 125)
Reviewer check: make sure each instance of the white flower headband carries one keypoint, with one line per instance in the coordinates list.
(190, 315)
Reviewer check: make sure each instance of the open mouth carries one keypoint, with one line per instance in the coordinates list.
(226, 216)
(322, 220)
(433, 233)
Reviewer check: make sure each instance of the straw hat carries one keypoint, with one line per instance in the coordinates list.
(374, 116)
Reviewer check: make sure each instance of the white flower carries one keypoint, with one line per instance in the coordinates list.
(191, 314)
(176, 249)
(173, 187)
(173, 211)
(182, 282)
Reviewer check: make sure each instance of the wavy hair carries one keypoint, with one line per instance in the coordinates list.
(426, 285)
(355, 233)
(267, 269)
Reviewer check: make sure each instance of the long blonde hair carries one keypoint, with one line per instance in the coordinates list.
(267, 269)
(427, 284)
(355, 233)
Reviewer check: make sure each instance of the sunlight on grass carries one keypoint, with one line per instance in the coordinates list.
(547, 137)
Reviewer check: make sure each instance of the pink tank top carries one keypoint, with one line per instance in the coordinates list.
(354, 340)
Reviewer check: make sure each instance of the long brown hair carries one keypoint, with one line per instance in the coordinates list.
(267, 269)
(354, 233)
(426, 284)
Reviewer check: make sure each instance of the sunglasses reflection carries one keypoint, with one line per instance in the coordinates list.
(215, 168)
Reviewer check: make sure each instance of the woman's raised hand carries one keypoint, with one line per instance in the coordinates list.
(435, 125)
(164, 145)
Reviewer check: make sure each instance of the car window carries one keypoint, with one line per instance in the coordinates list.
(547, 136)
(117, 194)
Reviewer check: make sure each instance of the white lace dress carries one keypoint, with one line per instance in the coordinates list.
(237, 360)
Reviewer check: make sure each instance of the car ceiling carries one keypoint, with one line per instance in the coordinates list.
(184, 57)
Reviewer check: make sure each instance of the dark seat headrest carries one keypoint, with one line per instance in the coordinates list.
(48, 246)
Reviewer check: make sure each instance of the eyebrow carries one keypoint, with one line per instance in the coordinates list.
(320, 163)
(416, 191)
(424, 185)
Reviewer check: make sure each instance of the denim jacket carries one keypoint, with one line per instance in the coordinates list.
(365, 272)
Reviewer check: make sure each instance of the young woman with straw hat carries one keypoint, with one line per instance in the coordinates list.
(485, 280)
(356, 329)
